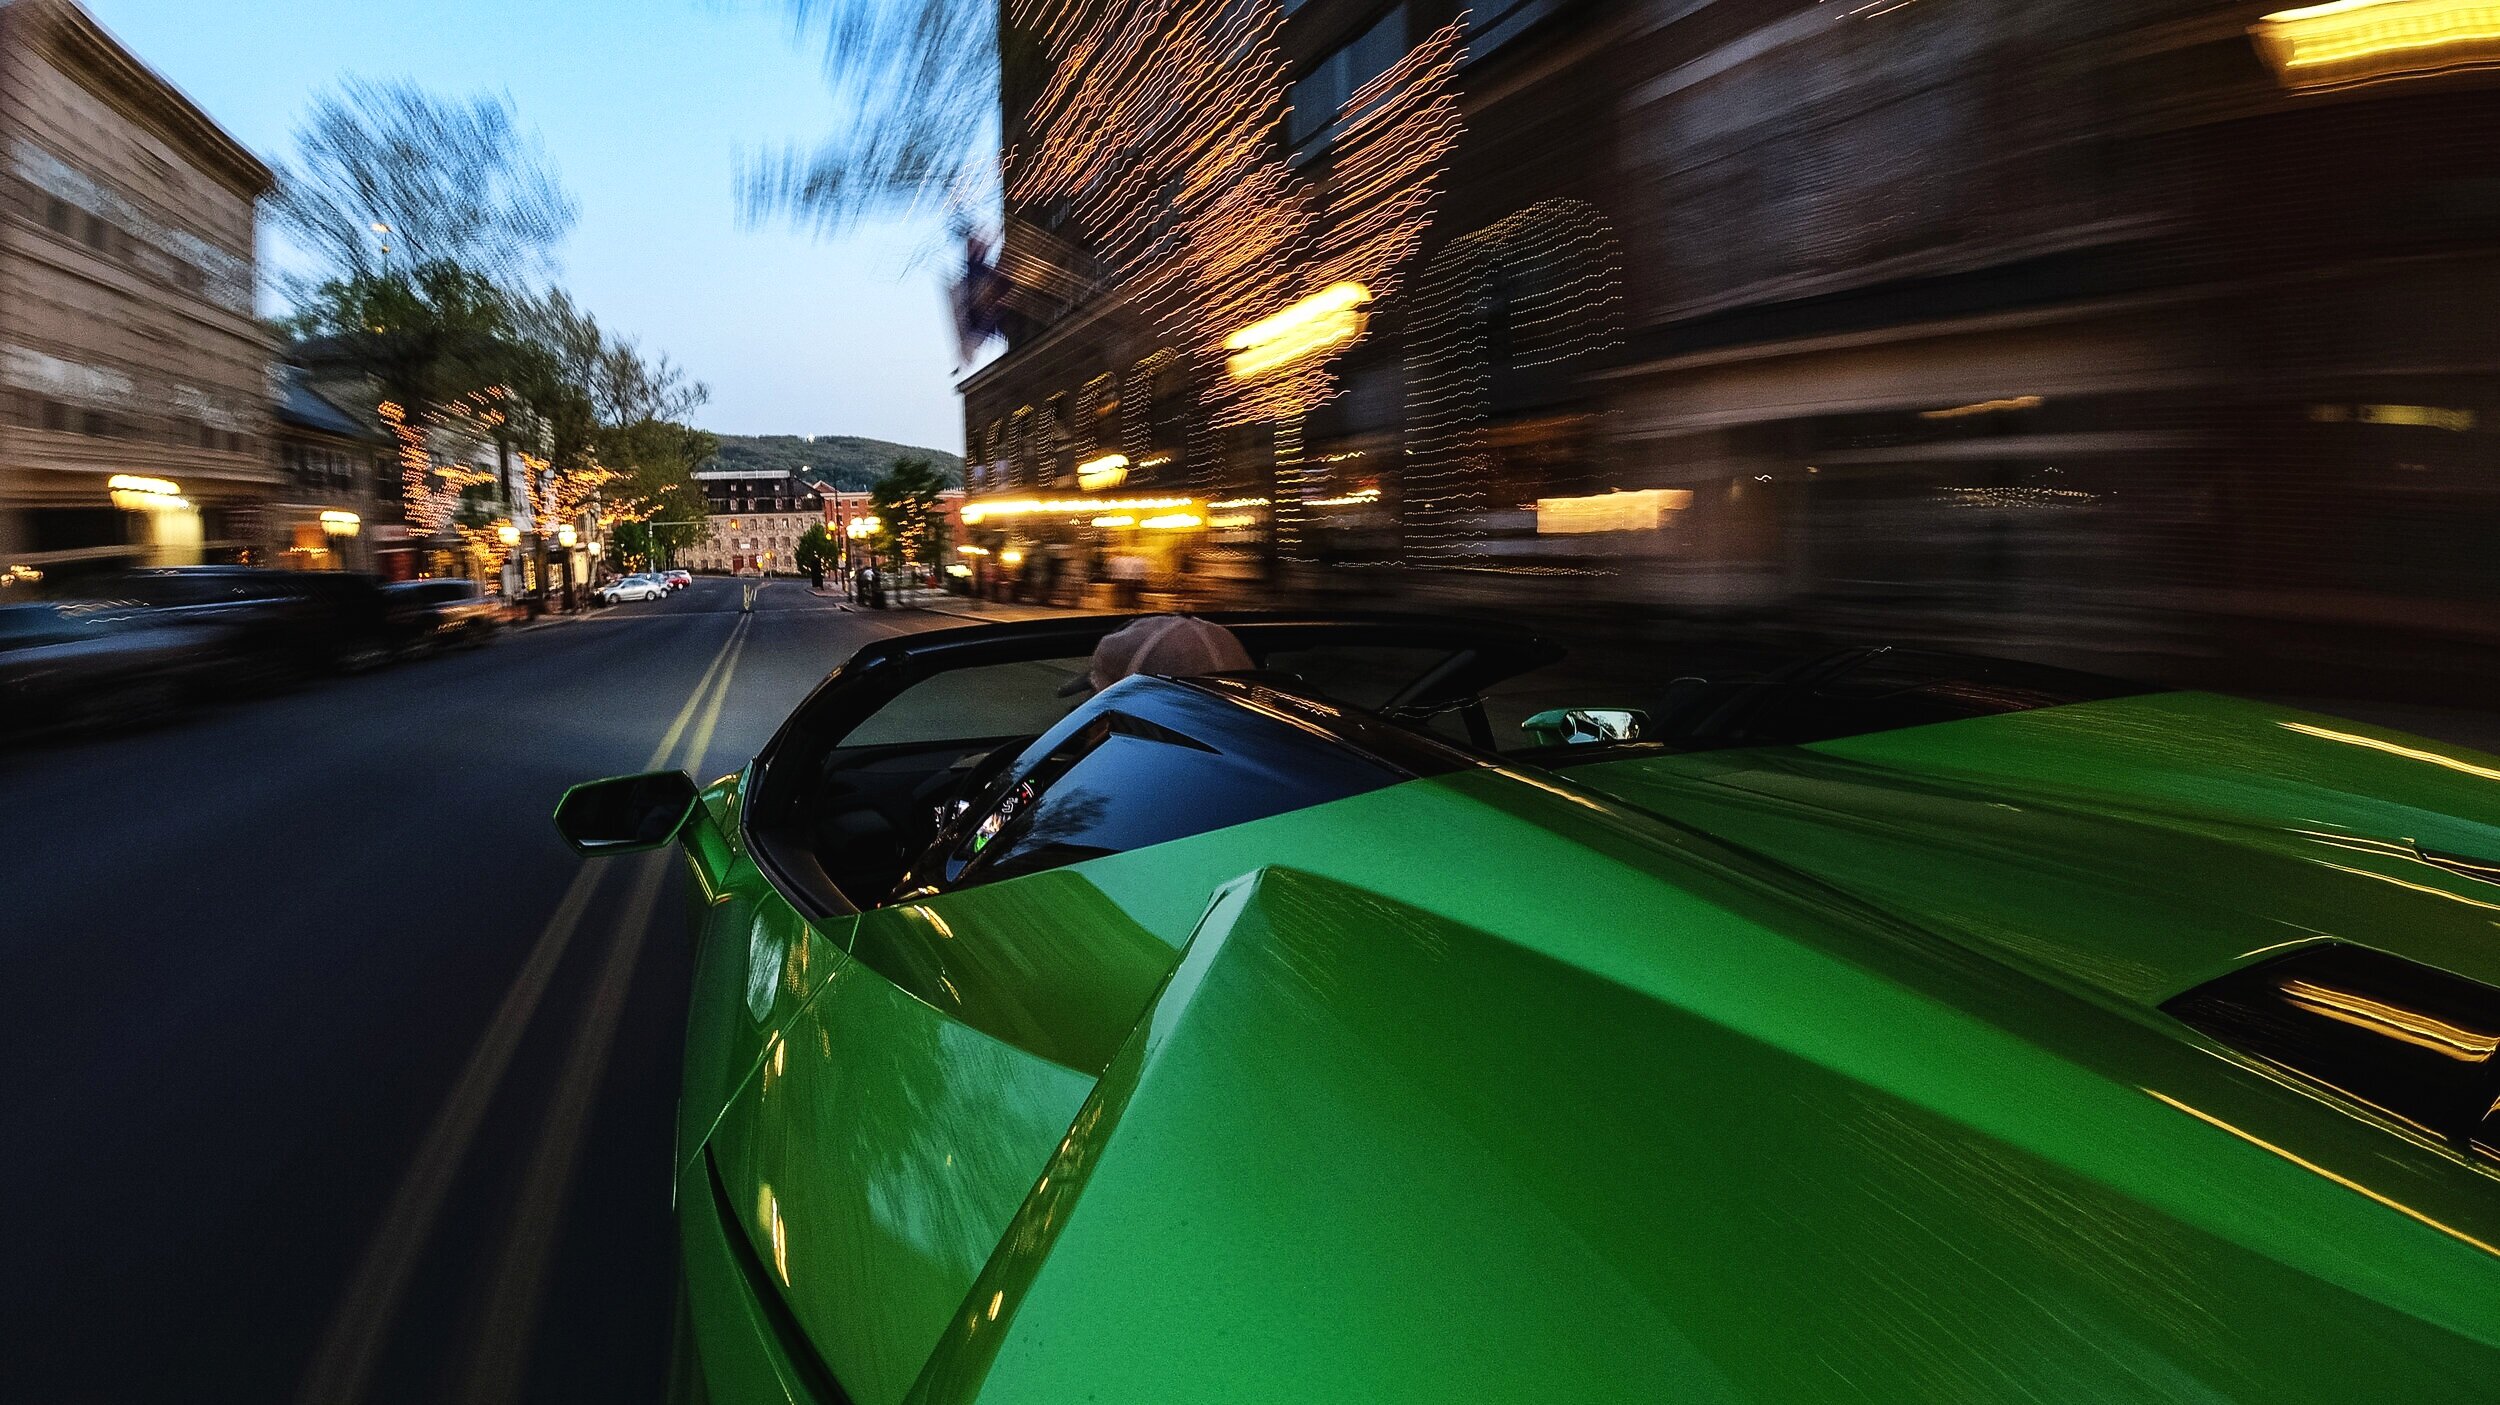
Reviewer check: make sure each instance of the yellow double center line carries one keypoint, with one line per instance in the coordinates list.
(342, 1366)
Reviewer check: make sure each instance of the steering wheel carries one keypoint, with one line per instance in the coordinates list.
(950, 790)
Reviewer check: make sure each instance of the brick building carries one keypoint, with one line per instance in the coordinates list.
(128, 345)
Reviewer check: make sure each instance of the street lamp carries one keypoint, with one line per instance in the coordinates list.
(864, 530)
(508, 534)
(566, 537)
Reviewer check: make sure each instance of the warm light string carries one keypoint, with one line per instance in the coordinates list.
(1560, 264)
(432, 488)
(1137, 406)
(1153, 139)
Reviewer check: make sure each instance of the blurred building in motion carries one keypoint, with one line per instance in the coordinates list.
(335, 507)
(2157, 326)
(134, 395)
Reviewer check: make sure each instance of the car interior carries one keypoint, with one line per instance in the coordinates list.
(875, 788)
(914, 733)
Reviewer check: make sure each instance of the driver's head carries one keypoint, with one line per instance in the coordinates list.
(1171, 646)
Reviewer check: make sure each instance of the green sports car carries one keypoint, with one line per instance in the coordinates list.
(1423, 1015)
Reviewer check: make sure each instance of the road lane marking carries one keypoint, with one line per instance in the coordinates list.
(342, 1365)
(694, 699)
(516, 1295)
(344, 1362)
(702, 742)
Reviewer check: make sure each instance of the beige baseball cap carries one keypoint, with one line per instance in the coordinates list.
(1171, 646)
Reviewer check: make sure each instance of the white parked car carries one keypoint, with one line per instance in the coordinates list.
(633, 588)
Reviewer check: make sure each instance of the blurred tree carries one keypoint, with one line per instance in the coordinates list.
(906, 501)
(613, 430)
(818, 551)
(387, 176)
(918, 81)
(653, 491)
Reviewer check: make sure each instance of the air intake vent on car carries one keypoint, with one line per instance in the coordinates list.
(2412, 1041)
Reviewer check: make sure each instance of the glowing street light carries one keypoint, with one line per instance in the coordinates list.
(508, 534)
(132, 493)
(566, 536)
(1330, 317)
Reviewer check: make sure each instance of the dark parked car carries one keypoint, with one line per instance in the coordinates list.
(69, 666)
(279, 624)
(441, 613)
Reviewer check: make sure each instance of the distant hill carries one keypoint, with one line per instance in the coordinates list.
(847, 462)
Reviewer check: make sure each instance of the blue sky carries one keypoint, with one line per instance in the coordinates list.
(644, 106)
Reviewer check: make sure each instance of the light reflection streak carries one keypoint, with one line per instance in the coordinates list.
(2394, 1021)
(2423, 888)
(2410, 753)
(2314, 1168)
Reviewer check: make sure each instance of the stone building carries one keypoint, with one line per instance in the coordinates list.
(134, 378)
(754, 520)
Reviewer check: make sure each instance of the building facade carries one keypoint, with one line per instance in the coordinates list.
(128, 346)
(754, 519)
(330, 506)
(2070, 328)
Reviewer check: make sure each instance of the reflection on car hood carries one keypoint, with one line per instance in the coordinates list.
(2143, 845)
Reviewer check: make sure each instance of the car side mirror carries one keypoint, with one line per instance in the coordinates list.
(625, 814)
(1585, 726)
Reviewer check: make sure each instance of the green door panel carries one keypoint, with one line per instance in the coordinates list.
(876, 1155)
(736, 1355)
(1362, 1151)
(757, 961)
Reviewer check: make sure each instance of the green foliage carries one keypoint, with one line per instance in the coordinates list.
(849, 464)
(906, 501)
(644, 546)
(425, 334)
(818, 550)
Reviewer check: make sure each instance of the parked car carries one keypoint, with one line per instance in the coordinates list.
(356, 629)
(271, 632)
(1381, 1023)
(636, 587)
(69, 666)
(677, 579)
(433, 614)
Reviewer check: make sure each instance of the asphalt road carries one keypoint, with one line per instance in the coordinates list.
(331, 1075)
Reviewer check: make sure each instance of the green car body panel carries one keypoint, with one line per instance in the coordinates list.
(1823, 1073)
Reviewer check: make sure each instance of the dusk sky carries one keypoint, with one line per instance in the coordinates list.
(644, 106)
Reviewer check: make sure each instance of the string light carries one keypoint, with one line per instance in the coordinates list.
(1153, 134)
(979, 511)
(1563, 273)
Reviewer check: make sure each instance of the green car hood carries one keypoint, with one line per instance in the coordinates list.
(2143, 846)
(1361, 1151)
(1788, 1075)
